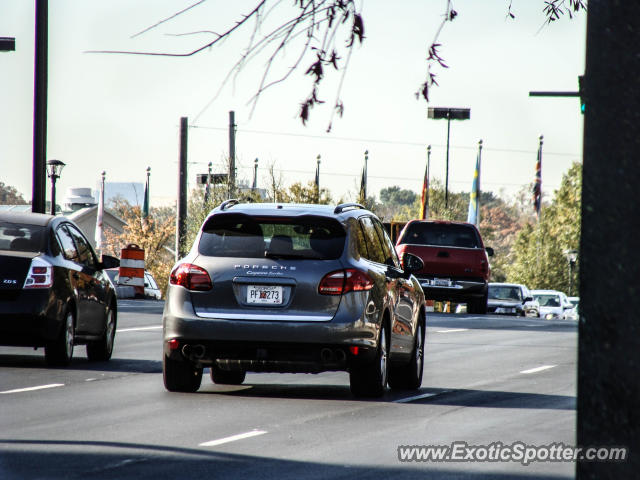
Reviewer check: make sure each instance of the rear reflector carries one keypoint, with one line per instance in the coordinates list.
(354, 350)
(191, 277)
(40, 274)
(343, 281)
(173, 344)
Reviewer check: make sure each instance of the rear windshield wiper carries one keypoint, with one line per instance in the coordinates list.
(288, 255)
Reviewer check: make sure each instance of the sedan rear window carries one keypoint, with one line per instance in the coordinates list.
(239, 235)
(445, 235)
(22, 237)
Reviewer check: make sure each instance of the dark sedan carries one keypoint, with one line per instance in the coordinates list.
(53, 291)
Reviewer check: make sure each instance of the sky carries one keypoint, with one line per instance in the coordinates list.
(121, 113)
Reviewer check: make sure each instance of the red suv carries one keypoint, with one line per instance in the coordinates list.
(456, 263)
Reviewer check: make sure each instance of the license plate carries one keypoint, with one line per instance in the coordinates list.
(441, 282)
(262, 294)
(505, 310)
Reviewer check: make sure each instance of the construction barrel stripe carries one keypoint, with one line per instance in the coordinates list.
(132, 267)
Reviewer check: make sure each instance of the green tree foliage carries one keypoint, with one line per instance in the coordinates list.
(398, 196)
(10, 195)
(539, 260)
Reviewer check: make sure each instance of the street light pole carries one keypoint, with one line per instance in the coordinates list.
(54, 168)
(450, 114)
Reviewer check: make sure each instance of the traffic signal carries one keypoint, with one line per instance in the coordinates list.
(581, 93)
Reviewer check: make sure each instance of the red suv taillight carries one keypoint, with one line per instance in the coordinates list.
(40, 274)
(191, 277)
(343, 281)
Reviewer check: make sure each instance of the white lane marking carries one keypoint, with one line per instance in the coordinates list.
(538, 369)
(139, 329)
(233, 438)
(31, 389)
(450, 330)
(419, 397)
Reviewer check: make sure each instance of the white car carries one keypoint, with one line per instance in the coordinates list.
(553, 304)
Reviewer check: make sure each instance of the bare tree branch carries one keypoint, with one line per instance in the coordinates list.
(167, 19)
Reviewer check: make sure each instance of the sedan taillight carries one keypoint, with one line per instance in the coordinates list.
(40, 274)
(191, 277)
(343, 281)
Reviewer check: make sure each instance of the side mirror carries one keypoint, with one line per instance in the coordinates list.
(109, 262)
(411, 263)
(528, 299)
(489, 251)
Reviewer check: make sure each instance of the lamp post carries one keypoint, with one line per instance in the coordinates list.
(438, 113)
(54, 169)
(572, 256)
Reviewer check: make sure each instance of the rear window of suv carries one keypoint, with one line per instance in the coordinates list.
(246, 236)
(441, 235)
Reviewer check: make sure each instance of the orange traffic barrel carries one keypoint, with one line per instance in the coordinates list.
(132, 268)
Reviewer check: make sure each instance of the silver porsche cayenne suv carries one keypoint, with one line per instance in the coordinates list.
(294, 288)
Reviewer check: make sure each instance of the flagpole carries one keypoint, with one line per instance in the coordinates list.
(539, 203)
(426, 198)
(100, 217)
(366, 173)
(478, 190)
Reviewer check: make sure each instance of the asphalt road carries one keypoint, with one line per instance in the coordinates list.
(487, 379)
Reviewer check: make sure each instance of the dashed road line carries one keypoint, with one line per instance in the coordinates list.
(233, 438)
(538, 369)
(139, 329)
(419, 397)
(33, 389)
(451, 330)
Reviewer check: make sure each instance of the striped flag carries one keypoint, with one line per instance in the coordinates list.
(424, 202)
(537, 186)
(473, 216)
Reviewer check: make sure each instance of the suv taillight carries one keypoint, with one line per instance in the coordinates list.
(343, 281)
(40, 274)
(191, 277)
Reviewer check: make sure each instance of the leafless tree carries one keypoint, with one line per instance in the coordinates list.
(324, 34)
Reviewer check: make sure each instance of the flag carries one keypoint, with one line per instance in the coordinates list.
(100, 217)
(537, 185)
(145, 205)
(424, 202)
(363, 185)
(473, 215)
(207, 191)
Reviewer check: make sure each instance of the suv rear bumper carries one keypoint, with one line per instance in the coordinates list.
(457, 290)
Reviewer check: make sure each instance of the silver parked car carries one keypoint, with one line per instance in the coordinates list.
(294, 288)
(512, 299)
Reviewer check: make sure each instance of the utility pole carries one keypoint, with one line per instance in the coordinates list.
(232, 153)
(181, 217)
(608, 340)
(39, 187)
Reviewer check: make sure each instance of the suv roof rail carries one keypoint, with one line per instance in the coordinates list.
(229, 203)
(347, 206)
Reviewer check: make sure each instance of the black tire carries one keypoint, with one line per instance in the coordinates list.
(477, 306)
(409, 376)
(180, 376)
(101, 350)
(60, 352)
(226, 377)
(370, 380)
